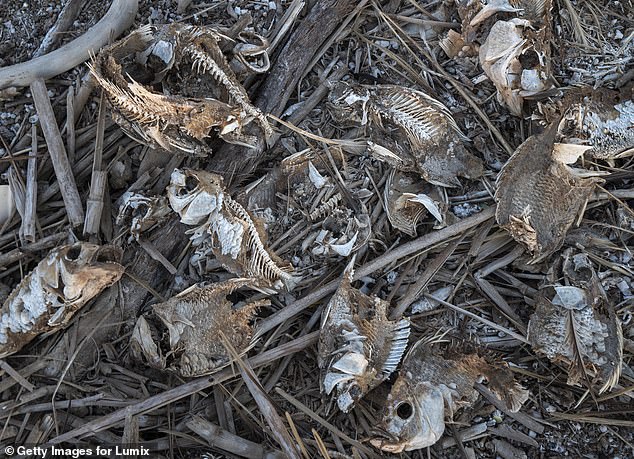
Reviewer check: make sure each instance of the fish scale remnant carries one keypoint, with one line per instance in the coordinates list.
(432, 386)
(130, 69)
(224, 227)
(577, 325)
(409, 130)
(538, 196)
(201, 324)
(358, 346)
(54, 291)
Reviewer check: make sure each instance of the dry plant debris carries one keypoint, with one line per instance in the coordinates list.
(239, 155)
(50, 295)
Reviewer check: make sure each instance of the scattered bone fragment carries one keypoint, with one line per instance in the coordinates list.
(538, 196)
(358, 346)
(408, 129)
(575, 324)
(338, 209)
(48, 297)
(128, 70)
(201, 324)
(603, 121)
(145, 211)
(408, 200)
(432, 386)
(224, 228)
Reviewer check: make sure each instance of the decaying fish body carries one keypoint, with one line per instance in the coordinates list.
(577, 325)
(538, 196)
(602, 120)
(174, 122)
(427, 140)
(514, 53)
(407, 200)
(431, 387)
(146, 211)
(358, 346)
(54, 291)
(201, 325)
(224, 227)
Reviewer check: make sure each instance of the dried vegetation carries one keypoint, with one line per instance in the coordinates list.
(332, 228)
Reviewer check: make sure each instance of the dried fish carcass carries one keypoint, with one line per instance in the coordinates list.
(147, 211)
(603, 121)
(433, 384)
(224, 228)
(180, 119)
(48, 297)
(539, 196)
(576, 324)
(407, 200)
(204, 330)
(514, 53)
(359, 347)
(408, 129)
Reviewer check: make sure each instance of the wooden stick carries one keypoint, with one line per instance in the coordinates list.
(117, 19)
(70, 124)
(30, 204)
(43, 244)
(323, 19)
(61, 165)
(99, 178)
(220, 438)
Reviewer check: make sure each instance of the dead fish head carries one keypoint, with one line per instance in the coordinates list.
(348, 103)
(79, 271)
(414, 416)
(194, 194)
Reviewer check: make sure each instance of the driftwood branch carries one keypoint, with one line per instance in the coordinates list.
(117, 19)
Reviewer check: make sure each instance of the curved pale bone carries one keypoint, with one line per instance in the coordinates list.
(118, 18)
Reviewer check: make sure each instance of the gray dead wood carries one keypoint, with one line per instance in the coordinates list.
(99, 180)
(118, 18)
(43, 244)
(30, 201)
(222, 439)
(278, 430)
(61, 165)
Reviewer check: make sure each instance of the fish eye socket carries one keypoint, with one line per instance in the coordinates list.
(73, 253)
(404, 410)
(191, 183)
